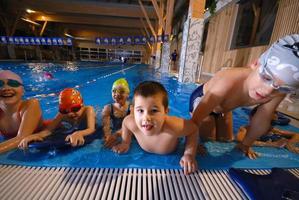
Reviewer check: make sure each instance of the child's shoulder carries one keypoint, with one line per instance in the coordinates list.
(29, 103)
(233, 74)
(227, 80)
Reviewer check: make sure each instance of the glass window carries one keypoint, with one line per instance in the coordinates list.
(254, 23)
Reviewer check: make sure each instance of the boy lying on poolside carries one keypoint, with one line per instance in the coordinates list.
(155, 131)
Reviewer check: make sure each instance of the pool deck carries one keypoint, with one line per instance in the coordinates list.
(19, 182)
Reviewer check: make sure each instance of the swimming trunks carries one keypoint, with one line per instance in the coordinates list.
(116, 122)
(195, 99)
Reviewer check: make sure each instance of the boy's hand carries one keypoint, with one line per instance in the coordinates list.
(188, 163)
(76, 139)
(292, 147)
(247, 150)
(121, 148)
(110, 140)
(24, 142)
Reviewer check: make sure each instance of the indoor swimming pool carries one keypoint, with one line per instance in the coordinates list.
(94, 81)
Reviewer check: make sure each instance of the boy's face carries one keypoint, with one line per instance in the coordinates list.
(119, 94)
(149, 113)
(259, 87)
(75, 114)
(11, 91)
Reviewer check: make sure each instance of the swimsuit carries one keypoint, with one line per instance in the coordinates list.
(11, 134)
(116, 122)
(195, 99)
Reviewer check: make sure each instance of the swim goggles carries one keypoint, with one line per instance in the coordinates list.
(267, 77)
(11, 83)
(72, 109)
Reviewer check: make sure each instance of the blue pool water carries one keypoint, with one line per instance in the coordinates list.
(94, 81)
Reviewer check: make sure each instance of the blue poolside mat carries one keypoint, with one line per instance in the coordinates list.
(220, 156)
(279, 184)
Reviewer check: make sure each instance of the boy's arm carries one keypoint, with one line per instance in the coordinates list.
(31, 117)
(186, 128)
(207, 104)
(126, 136)
(259, 125)
(77, 138)
(106, 121)
(191, 132)
(23, 143)
(91, 121)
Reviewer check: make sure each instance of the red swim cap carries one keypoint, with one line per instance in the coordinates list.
(69, 98)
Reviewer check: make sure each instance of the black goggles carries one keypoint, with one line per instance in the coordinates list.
(11, 83)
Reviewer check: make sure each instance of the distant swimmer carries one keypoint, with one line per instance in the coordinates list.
(48, 76)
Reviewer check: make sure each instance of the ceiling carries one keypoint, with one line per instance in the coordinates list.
(88, 18)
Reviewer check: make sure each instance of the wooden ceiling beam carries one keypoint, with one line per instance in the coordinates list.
(105, 21)
(169, 16)
(84, 7)
(147, 18)
(158, 12)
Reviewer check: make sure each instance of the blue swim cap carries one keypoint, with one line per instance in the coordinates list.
(282, 59)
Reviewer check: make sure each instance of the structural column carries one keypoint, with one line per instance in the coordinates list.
(158, 50)
(191, 42)
(165, 62)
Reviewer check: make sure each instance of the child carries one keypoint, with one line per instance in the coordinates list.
(18, 118)
(266, 84)
(73, 115)
(273, 138)
(155, 131)
(113, 114)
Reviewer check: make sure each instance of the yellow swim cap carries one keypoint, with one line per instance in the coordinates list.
(121, 82)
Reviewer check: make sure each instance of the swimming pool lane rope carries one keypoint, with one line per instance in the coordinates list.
(88, 82)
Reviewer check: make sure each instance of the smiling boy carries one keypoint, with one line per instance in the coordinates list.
(156, 131)
(18, 118)
(264, 84)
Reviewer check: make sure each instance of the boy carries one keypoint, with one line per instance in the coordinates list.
(18, 118)
(113, 114)
(265, 84)
(155, 131)
(273, 138)
(77, 119)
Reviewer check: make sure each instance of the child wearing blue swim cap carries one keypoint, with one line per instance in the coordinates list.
(265, 84)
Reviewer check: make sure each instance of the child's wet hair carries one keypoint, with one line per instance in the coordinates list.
(151, 88)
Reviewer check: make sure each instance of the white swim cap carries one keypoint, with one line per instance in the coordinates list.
(282, 59)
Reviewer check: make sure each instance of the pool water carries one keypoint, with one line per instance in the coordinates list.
(94, 81)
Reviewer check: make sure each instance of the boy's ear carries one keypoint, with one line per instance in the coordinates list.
(166, 110)
(255, 64)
